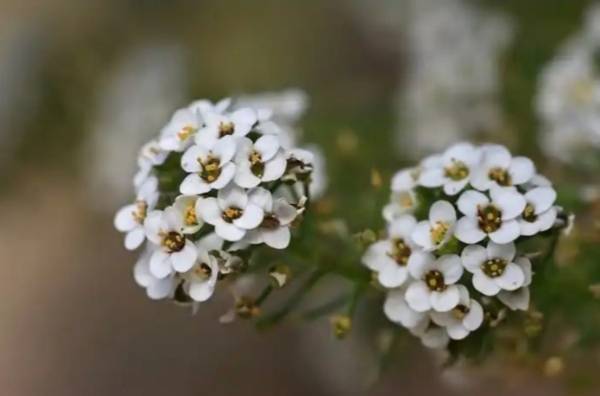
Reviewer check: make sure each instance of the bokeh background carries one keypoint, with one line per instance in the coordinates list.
(84, 83)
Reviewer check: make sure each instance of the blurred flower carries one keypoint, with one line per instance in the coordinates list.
(569, 97)
(140, 91)
(451, 88)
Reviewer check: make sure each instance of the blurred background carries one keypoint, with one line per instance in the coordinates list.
(84, 83)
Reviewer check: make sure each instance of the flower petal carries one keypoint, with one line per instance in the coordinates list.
(508, 232)
(484, 284)
(515, 300)
(469, 201)
(284, 212)
(124, 220)
(160, 264)
(467, 230)
(397, 310)
(453, 187)
(160, 288)
(402, 227)
(392, 275)
(208, 210)
(251, 218)
(420, 262)
(511, 203)
(457, 331)
(472, 257)
(450, 266)
(229, 232)
(227, 173)
(521, 170)
(135, 238)
(435, 338)
(442, 211)
(232, 197)
(245, 178)
(541, 198)
(278, 238)
(184, 259)
(506, 251)
(189, 160)
(225, 149)
(417, 296)
(474, 318)
(267, 146)
(512, 278)
(422, 235)
(433, 177)
(193, 184)
(275, 168)
(445, 300)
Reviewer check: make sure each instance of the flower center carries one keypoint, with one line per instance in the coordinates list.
(231, 214)
(139, 214)
(400, 252)
(489, 218)
(203, 271)
(257, 166)
(173, 242)
(226, 128)
(211, 169)
(460, 311)
(458, 170)
(186, 132)
(438, 232)
(435, 281)
(270, 222)
(494, 267)
(529, 213)
(190, 215)
(500, 176)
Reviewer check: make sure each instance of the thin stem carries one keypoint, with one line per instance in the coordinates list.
(263, 295)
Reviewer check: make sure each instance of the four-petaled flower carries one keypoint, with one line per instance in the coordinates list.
(210, 167)
(258, 162)
(434, 233)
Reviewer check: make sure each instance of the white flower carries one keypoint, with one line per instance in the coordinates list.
(518, 299)
(261, 161)
(175, 252)
(201, 280)
(403, 198)
(179, 132)
(434, 286)
(433, 233)
(150, 155)
(274, 230)
(299, 164)
(390, 258)
(456, 167)
(539, 214)
(493, 267)
(156, 288)
(405, 180)
(495, 218)
(499, 168)
(186, 206)
(209, 167)
(398, 311)
(218, 125)
(231, 213)
(431, 335)
(130, 218)
(466, 317)
(205, 106)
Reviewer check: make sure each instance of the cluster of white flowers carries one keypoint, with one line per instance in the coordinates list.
(216, 181)
(568, 101)
(445, 39)
(442, 268)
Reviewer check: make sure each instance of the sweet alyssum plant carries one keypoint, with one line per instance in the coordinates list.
(217, 182)
(221, 183)
(459, 253)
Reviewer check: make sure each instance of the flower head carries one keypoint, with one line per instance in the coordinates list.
(433, 233)
(210, 166)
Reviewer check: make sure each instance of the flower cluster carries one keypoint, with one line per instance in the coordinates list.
(569, 97)
(450, 247)
(217, 181)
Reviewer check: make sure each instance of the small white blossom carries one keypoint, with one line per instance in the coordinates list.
(130, 218)
(176, 252)
(398, 311)
(179, 132)
(201, 280)
(231, 213)
(493, 267)
(274, 230)
(499, 168)
(466, 317)
(156, 288)
(496, 218)
(210, 167)
(403, 198)
(539, 213)
(219, 125)
(261, 161)
(431, 335)
(186, 206)
(455, 169)
(518, 299)
(434, 233)
(390, 258)
(435, 282)
(203, 106)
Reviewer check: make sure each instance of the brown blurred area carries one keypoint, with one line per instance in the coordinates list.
(73, 322)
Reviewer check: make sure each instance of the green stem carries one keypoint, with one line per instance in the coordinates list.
(263, 295)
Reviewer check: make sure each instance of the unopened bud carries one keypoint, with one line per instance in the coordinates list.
(554, 366)
(245, 308)
(280, 275)
(366, 237)
(376, 179)
(341, 325)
